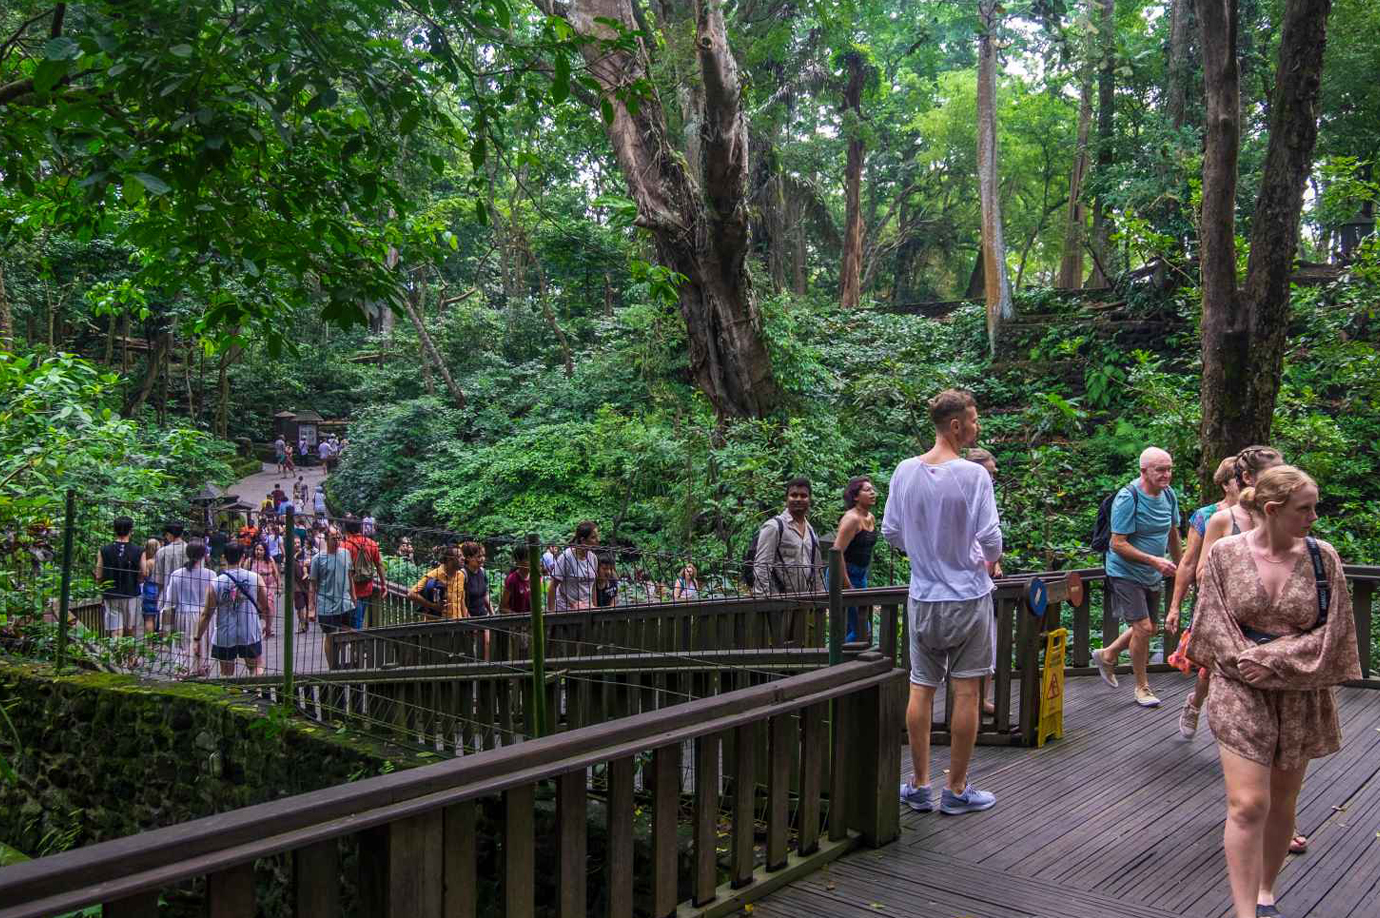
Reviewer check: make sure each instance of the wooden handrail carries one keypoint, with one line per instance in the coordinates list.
(646, 661)
(122, 867)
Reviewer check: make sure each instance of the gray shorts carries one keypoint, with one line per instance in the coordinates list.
(953, 637)
(121, 614)
(1133, 600)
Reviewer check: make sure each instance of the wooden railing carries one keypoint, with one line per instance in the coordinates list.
(679, 627)
(826, 742)
(473, 706)
(780, 623)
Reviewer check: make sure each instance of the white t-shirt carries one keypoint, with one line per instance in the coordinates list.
(944, 517)
(575, 580)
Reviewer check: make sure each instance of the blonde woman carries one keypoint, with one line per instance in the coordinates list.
(1274, 627)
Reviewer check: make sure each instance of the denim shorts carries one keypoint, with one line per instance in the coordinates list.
(950, 637)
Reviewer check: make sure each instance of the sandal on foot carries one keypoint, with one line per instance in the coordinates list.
(1298, 845)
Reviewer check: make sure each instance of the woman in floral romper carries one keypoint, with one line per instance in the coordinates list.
(1274, 659)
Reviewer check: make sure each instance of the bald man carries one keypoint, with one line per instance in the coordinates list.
(1145, 521)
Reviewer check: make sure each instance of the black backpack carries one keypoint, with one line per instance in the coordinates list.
(1102, 529)
(750, 555)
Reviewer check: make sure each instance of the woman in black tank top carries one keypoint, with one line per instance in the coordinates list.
(856, 538)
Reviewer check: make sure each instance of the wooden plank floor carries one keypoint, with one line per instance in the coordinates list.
(1120, 818)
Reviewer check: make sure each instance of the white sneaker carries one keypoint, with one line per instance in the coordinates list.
(1104, 669)
(1146, 698)
(1188, 719)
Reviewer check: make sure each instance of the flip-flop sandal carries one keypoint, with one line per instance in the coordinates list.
(1298, 847)
(1267, 911)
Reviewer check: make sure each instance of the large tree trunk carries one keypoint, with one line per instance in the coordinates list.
(1071, 264)
(1275, 223)
(996, 282)
(1225, 347)
(850, 274)
(700, 228)
(1244, 332)
(1106, 158)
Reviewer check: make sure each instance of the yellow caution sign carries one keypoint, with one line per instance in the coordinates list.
(1052, 688)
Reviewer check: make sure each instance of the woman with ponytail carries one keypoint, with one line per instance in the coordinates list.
(1274, 628)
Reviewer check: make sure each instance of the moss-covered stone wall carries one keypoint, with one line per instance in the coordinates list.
(102, 756)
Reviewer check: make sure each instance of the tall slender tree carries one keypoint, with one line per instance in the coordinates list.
(1106, 155)
(997, 282)
(1071, 264)
(850, 274)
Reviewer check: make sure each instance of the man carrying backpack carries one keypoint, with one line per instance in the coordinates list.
(366, 569)
(1141, 524)
(785, 552)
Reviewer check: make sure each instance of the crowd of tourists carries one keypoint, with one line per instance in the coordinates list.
(1271, 633)
(327, 452)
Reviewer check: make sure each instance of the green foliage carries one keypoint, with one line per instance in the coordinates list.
(59, 431)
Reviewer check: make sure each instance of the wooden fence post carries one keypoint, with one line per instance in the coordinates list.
(873, 720)
(836, 623)
(1362, 609)
(400, 873)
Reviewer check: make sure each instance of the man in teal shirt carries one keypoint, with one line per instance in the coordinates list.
(1145, 525)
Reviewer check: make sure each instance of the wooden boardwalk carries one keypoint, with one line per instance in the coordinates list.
(1120, 818)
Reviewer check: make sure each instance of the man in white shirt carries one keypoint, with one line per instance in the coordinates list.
(941, 512)
(788, 559)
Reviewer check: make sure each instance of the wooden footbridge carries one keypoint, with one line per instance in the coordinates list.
(705, 756)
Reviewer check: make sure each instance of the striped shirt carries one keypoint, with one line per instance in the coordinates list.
(169, 558)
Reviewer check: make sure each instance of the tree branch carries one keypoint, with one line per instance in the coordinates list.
(19, 32)
(18, 89)
(15, 90)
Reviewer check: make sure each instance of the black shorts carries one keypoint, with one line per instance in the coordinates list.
(331, 623)
(238, 652)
